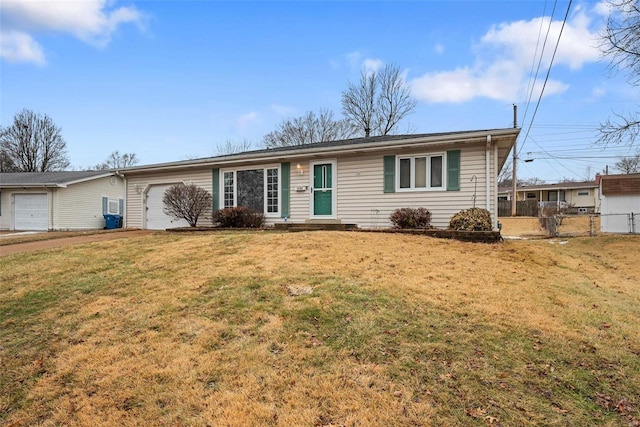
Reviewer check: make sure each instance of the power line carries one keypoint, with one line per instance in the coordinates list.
(546, 79)
(532, 81)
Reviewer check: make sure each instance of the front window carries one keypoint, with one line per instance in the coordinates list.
(421, 172)
(553, 196)
(229, 187)
(256, 189)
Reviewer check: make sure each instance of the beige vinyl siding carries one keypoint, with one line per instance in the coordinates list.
(300, 207)
(361, 199)
(79, 206)
(137, 185)
(588, 201)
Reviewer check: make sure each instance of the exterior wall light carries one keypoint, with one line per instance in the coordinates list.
(300, 170)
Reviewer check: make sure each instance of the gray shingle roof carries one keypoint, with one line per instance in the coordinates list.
(30, 179)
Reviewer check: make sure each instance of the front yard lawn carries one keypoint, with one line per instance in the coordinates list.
(321, 329)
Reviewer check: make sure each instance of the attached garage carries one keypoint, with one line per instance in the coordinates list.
(156, 219)
(31, 212)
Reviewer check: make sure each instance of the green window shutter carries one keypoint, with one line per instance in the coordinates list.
(105, 207)
(285, 179)
(215, 189)
(453, 170)
(389, 174)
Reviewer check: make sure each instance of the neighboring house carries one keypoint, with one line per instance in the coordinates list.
(59, 200)
(620, 201)
(575, 197)
(357, 181)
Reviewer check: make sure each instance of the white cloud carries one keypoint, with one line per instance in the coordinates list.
(438, 48)
(503, 62)
(244, 121)
(283, 110)
(372, 65)
(16, 46)
(92, 21)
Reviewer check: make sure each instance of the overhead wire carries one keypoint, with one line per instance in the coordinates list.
(532, 81)
(546, 79)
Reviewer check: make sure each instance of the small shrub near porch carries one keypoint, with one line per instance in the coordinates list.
(238, 217)
(472, 219)
(411, 218)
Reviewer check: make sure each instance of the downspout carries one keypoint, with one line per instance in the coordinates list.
(495, 188)
(488, 174)
(124, 197)
(51, 207)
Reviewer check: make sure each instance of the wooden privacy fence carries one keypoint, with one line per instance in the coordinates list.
(523, 208)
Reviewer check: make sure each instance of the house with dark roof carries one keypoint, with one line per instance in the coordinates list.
(76, 200)
(357, 181)
(620, 200)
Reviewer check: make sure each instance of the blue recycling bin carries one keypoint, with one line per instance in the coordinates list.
(112, 221)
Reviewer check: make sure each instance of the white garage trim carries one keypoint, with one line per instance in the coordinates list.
(31, 212)
(155, 218)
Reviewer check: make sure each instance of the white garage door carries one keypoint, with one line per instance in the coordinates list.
(156, 218)
(30, 212)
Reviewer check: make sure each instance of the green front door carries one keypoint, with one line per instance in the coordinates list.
(322, 189)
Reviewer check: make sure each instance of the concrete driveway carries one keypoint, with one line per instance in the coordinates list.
(16, 248)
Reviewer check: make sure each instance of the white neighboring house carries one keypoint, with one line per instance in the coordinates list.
(42, 201)
(358, 181)
(620, 203)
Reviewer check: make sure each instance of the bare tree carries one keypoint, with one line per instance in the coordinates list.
(118, 161)
(621, 44)
(186, 201)
(379, 101)
(531, 181)
(629, 164)
(505, 178)
(33, 143)
(233, 147)
(6, 163)
(309, 128)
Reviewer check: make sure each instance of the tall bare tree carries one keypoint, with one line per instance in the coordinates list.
(621, 44)
(232, 147)
(378, 102)
(118, 161)
(33, 143)
(629, 164)
(309, 128)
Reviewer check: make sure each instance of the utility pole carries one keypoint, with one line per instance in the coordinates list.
(514, 181)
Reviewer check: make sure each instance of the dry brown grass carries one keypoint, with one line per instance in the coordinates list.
(399, 330)
(525, 226)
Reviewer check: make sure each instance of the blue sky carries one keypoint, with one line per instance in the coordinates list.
(171, 80)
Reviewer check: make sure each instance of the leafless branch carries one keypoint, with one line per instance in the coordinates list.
(33, 143)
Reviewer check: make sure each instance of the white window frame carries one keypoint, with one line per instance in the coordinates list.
(428, 187)
(264, 183)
